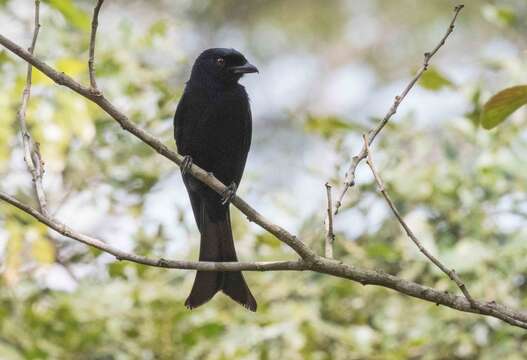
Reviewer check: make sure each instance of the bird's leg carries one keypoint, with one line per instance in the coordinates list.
(229, 193)
(186, 164)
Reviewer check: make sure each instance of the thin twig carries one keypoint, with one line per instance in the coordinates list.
(66, 266)
(91, 61)
(450, 273)
(330, 236)
(349, 180)
(32, 156)
(477, 306)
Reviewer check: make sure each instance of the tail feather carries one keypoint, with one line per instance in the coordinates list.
(217, 245)
(206, 285)
(236, 288)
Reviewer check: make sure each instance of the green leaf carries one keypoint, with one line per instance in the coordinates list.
(117, 269)
(72, 13)
(434, 80)
(503, 104)
(71, 66)
(4, 58)
(13, 254)
(382, 250)
(268, 239)
(43, 250)
(499, 15)
(157, 29)
(475, 114)
(326, 126)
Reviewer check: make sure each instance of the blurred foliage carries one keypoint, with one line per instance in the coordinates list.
(75, 16)
(462, 190)
(330, 126)
(434, 80)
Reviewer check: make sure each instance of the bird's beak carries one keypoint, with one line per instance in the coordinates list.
(244, 69)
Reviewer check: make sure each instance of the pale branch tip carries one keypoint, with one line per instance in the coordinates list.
(349, 180)
(32, 156)
(91, 60)
(309, 260)
(330, 236)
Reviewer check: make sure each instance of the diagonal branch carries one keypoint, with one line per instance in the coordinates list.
(450, 273)
(480, 307)
(32, 155)
(371, 277)
(207, 178)
(372, 134)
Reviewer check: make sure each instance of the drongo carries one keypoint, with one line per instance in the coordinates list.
(213, 129)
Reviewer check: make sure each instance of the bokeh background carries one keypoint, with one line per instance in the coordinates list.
(328, 71)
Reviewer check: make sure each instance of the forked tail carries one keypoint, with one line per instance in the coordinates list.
(217, 245)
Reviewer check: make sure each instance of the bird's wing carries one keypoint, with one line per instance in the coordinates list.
(182, 134)
(179, 123)
(246, 142)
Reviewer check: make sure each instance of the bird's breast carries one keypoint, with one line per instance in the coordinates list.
(229, 122)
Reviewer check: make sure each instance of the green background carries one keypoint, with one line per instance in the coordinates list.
(329, 70)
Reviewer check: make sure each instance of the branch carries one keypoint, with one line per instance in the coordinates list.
(207, 178)
(65, 230)
(349, 180)
(310, 260)
(370, 277)
(330, 237)
(320, 265)
(32, 156)
(91, 61)
(450, 273)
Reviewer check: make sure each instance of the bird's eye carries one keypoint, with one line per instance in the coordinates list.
(220, 61)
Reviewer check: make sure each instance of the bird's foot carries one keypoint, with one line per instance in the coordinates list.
(186, 164)
(229, 193)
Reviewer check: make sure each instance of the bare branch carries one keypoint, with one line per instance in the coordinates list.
(330, 237)
(200, 174)
(370, 277)
(450, 273)
(91, 61)
(481, 307)
(160, 262)
(320, 264)
(372, 134)
(31, 149)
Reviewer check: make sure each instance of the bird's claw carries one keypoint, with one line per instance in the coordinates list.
(186, 164)
(229, 193)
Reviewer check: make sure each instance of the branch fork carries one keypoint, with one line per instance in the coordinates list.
(349, 180)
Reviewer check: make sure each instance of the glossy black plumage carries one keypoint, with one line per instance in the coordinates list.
(213, 127)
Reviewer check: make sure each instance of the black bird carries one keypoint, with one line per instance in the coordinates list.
(213, 129)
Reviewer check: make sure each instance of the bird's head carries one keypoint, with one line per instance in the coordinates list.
(221, 66)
